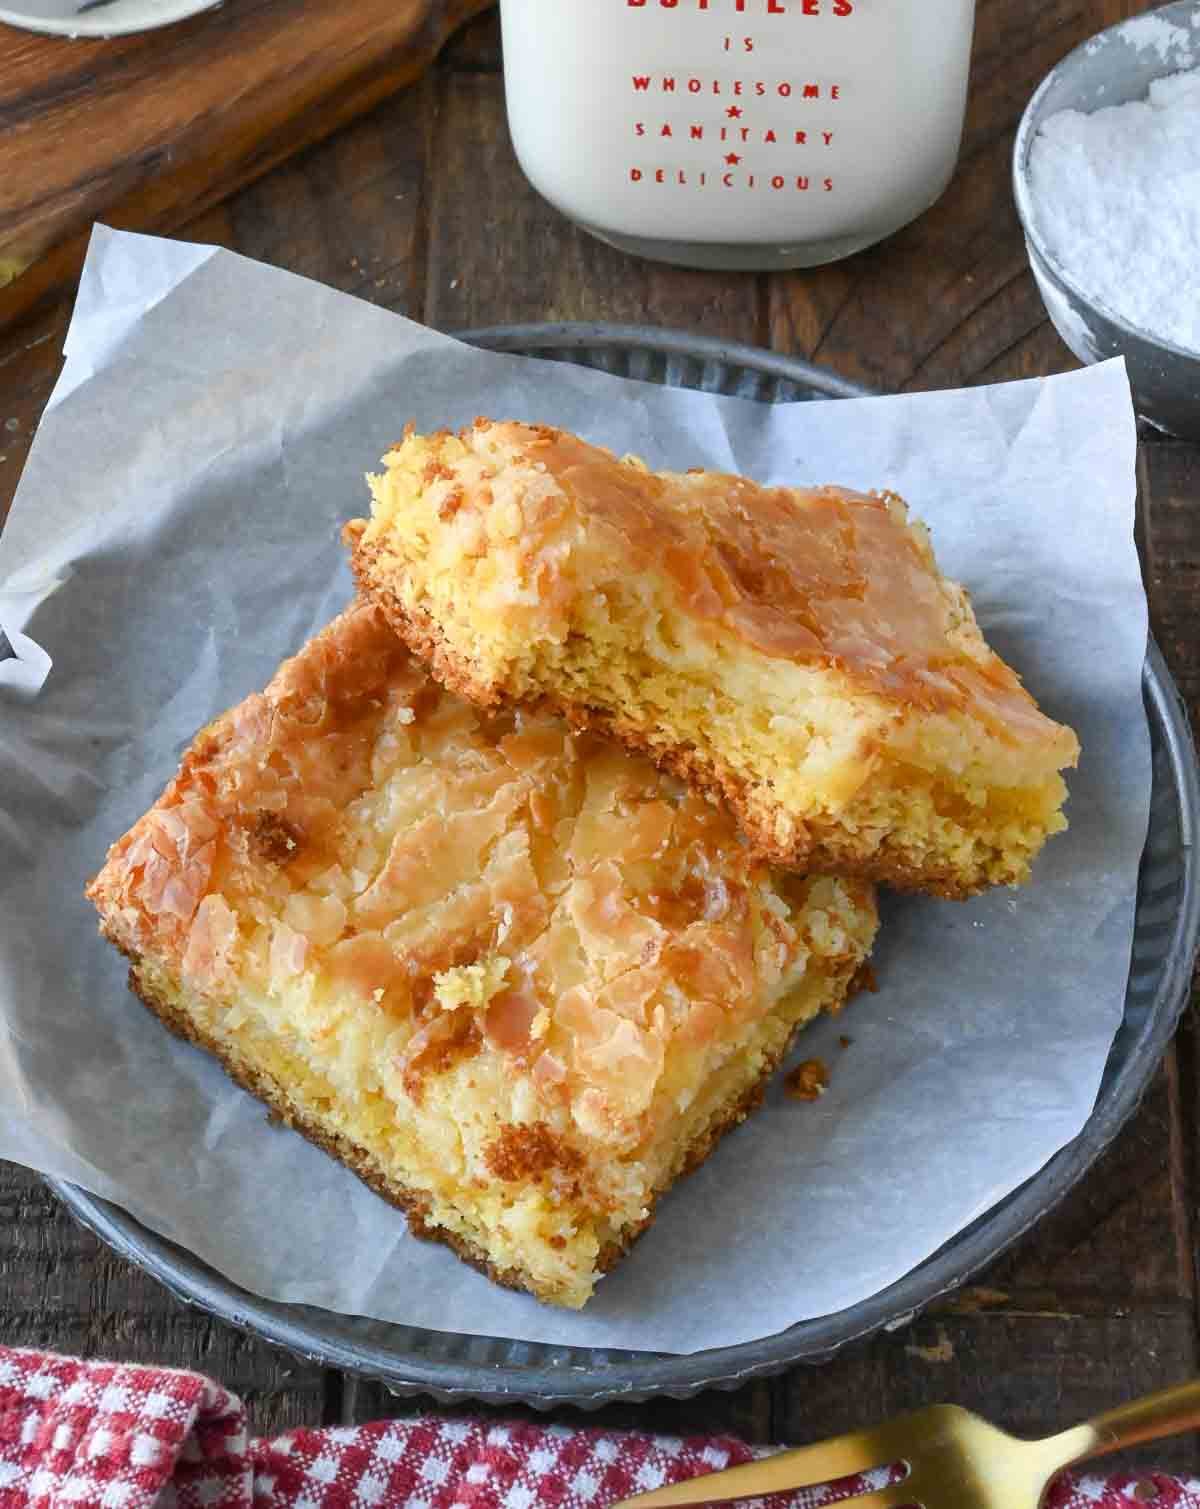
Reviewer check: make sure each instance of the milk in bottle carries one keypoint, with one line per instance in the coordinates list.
(738, 133)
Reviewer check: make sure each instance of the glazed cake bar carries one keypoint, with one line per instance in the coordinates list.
(513, 976)
(796, 651)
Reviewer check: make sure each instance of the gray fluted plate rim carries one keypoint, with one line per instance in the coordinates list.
(451, 1367)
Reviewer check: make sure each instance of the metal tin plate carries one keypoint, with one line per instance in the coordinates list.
(453, 1367)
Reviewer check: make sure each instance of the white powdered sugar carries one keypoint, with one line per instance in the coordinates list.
(1116, 197)
(1153, 32)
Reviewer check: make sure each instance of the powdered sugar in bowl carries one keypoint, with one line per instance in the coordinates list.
(1106, 175)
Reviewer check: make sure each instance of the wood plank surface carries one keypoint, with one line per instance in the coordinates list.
(1030, 1373)
(420, 207)
(62, 1289)
(144, 131)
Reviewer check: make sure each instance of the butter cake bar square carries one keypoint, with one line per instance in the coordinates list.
(515, 977)
(796, 651)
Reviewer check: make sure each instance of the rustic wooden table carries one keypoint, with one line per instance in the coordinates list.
(422, 208)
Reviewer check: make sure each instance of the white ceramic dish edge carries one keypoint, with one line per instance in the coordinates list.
(120, 19)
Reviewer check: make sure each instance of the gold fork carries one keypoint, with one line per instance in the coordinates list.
(955, 1460)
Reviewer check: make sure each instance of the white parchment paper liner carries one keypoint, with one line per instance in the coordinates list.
(176, 535)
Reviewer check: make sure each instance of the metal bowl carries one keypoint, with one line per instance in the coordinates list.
(1112, 68)
(451, 1367)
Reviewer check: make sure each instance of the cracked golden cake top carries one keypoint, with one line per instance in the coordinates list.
(483, 883)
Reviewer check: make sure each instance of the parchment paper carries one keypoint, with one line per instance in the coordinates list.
(185, 491)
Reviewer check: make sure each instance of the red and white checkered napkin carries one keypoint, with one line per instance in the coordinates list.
(102, 1435)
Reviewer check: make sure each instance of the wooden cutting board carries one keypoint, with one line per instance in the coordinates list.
(144, 132)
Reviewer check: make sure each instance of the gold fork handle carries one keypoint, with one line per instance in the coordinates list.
(1167, 1413)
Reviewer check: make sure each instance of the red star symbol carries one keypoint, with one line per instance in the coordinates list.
(734, 112)
(733, 159)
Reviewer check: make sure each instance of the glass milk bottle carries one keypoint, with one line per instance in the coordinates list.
(738, 133)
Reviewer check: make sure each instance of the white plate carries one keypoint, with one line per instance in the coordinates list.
(118, 19)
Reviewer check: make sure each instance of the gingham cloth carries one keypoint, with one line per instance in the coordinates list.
(103, 1435)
